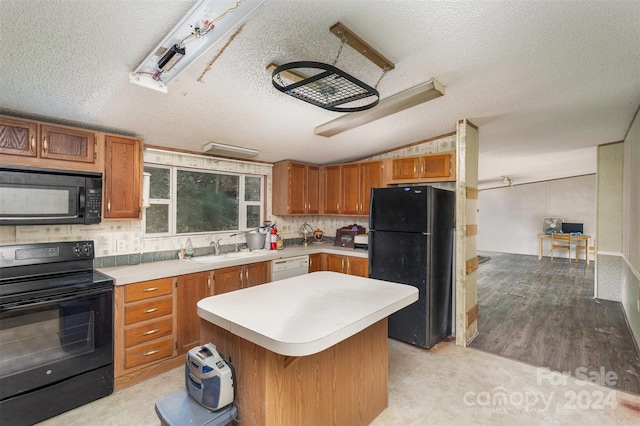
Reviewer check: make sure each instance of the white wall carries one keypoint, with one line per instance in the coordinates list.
(510, 218)
(630, 291)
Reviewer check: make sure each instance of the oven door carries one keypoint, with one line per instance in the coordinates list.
(48, 339)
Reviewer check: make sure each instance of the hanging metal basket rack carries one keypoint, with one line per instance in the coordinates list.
(329, 88)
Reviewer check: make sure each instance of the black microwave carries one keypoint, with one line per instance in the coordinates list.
(31, 196)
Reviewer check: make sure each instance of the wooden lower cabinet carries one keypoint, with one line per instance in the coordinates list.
(315, 262)
(190, 289)
(347, 264)
(156, 322)
(241, 276)
(144, 331)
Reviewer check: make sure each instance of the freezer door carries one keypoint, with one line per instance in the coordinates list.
(404, 209)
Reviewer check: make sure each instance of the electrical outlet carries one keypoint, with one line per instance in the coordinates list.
(120, 246)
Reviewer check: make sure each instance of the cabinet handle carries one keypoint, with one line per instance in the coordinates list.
(109, 206)
(154, 331)
(246, 276)
(146, 290)
(153, 352)
(44, 144)
(33, 143)
(209, 282)
(150, 310)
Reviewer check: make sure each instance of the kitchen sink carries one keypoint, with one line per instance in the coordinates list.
(226, 256)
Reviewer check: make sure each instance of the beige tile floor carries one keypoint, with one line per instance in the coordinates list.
(447, 385)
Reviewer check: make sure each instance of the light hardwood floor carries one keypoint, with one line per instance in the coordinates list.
(543, 313)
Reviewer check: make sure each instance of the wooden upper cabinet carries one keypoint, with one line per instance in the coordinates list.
(370, 177)
(18, 137)
(33, 143)
(313, 189)
(347, 187)
(406, 168)
(350, 188)
(331, 190)
(68, 144)
(297, 202)
(295, 188)
(427, 168)
(123, 178)
(435, 166)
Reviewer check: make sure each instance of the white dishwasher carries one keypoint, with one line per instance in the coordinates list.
(289, 267)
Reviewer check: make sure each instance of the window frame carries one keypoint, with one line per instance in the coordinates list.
(173, 201)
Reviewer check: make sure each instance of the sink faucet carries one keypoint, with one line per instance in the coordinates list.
(216, 246)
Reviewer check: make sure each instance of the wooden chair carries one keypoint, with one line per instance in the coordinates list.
(581, 248)
(560, 242)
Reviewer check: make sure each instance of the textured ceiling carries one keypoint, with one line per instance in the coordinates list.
(546, 82)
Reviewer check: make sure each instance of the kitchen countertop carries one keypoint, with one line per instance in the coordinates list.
(170, 268)
(306, 314)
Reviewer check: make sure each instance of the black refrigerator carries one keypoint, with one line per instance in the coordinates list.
(411, 240)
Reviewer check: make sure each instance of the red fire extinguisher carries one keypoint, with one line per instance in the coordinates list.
(273, 236)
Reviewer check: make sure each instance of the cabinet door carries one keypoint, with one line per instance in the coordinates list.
(61, 143)
(313, 190)
(331, 189)
(297, 190)
(406, 168)
(315, 262)
(350, 187)
(335, 263)
(257, 273)
(228, 279)
(191, 289)
(358, 266)
(123, 178)
(18, 137)
(435, 166)
(370, 177)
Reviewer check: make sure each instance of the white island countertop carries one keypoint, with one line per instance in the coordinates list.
(306, 314)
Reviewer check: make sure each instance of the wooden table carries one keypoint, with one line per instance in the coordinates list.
(582, 237)
(308, 350)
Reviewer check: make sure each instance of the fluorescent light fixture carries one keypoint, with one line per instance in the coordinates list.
(206, 22)
(215, 148)
(411, 97)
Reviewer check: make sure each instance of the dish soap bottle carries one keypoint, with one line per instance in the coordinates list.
(188, 251)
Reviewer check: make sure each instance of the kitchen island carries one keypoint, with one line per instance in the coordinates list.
(307, 350)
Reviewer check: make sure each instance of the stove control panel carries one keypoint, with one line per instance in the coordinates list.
(33, 254)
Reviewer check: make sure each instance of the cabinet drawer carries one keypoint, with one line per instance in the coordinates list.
(147, 289)
(149, 352)
(149, 309)
(148, 331)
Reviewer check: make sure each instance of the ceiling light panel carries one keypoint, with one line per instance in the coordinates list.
(206, 22)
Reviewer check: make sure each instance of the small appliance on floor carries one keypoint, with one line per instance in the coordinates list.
(207, 398)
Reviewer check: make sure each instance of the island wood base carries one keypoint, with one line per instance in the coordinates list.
(346, 384)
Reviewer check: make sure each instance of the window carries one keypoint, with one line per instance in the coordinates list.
(190, 201)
